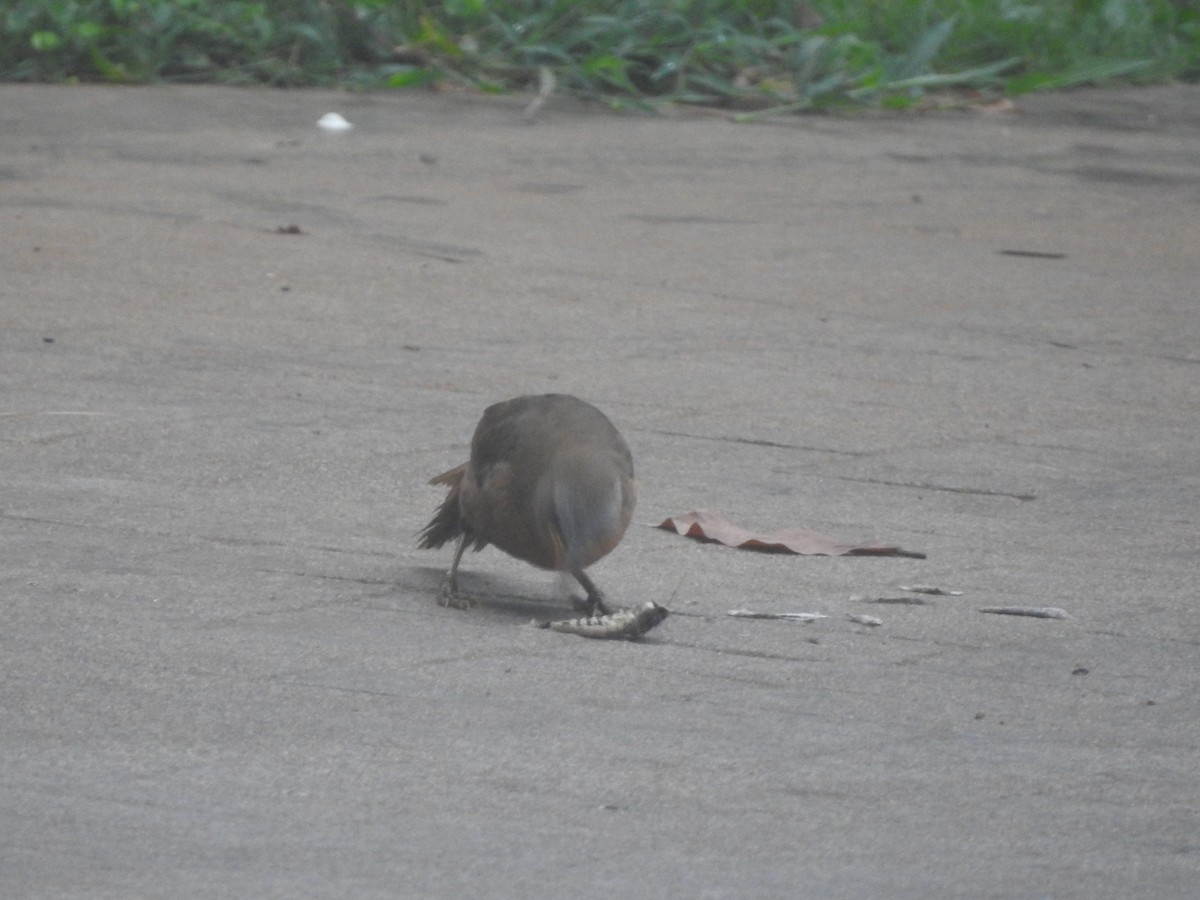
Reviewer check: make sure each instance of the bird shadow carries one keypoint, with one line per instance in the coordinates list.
(494, 593)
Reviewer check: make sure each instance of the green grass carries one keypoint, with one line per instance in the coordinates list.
(750, 55)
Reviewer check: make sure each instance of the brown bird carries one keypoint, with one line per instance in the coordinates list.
(549, 481)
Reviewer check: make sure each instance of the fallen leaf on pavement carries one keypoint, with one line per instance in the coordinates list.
(709, 525)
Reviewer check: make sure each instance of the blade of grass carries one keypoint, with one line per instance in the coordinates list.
(1094, 72)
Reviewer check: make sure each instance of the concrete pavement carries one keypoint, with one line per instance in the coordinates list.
(225, 670)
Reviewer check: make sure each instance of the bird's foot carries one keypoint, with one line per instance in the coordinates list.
(594, 605)
(449, 596)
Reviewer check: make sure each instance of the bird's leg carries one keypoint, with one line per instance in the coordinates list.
(595, 599)
(449, 596)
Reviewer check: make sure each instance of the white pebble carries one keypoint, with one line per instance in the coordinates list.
(333, 122)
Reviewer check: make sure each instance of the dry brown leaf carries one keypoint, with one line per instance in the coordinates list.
(709, 525)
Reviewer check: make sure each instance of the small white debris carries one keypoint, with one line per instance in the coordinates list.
(546, 85)
(859, 619)
(333, 122)
(1037, 612)
(793, 616)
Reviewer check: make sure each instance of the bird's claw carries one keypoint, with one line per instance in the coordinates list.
(449, 596)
